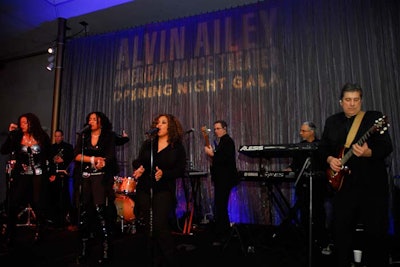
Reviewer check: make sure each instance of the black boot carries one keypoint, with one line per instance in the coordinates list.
(83, 229)
(83, 254)
(105, 232)
(38, 233)
(11, 229)
(7, 239)
(41, 224)
(37, 237)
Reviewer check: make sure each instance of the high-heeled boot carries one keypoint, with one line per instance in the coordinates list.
(40, 225)
(105, 232)
(38, 233)
(83, 229)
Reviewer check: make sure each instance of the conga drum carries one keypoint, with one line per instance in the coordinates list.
(125, 207)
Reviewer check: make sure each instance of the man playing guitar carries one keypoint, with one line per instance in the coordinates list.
(362, 195)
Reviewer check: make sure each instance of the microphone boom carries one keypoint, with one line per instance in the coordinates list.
(190, 131)
(84, 129)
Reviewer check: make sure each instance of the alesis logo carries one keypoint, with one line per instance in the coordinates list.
(251, 148)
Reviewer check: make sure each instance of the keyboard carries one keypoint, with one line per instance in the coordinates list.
(266, 176)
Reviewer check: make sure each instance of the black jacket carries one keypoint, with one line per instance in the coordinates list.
(367, 174)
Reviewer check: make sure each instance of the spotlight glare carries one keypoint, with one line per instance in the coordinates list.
(51, 50)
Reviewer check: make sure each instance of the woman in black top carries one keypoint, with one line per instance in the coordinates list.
(95, 158)
(29, 146)
(161, 160)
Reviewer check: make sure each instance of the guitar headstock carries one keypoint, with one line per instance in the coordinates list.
(205, 131)
(381, 125)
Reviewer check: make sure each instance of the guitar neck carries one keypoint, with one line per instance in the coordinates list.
(360, 142)
(347, 156)
(207, 140)
(204, 130)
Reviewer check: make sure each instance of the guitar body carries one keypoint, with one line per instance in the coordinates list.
(336, 178)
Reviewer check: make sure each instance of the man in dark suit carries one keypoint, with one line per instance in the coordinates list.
(363, 193)
(224, 176)
(58, 191)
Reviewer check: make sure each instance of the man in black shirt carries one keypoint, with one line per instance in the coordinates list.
(312, 167)
(224, 176)
(362, 195)
(59, 194)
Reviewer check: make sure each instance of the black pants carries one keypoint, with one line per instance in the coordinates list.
(59, 200)
(155, 213)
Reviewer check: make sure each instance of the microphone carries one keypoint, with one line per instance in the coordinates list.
(152, 131)
(84, 129)
(190, 131)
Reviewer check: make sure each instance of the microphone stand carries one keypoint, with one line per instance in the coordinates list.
(306, 166)
(80, 197)
(152, 179)
(151, 245)
(9, 171)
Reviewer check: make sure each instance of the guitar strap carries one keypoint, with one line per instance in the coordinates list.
(354, 128)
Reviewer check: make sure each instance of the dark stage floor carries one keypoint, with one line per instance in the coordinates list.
(250, 245)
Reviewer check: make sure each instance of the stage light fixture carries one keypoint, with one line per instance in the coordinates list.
(52, 51)
(50, 67)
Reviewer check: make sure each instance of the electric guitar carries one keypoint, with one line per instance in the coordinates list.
(336, 178)
(205, 131)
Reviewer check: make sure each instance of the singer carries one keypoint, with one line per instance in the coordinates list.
(155, 190)
(31, 147)
(95, 157)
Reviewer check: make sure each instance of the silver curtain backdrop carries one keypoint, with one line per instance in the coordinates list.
(264, 68)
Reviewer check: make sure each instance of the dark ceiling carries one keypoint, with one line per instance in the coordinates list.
(28, 27)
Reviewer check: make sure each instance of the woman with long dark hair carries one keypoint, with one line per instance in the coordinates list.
(30, 146)
(162, 159)
(95, 158)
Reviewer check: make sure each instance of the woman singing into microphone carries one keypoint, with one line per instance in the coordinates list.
(31, 146)
(162, 159)
(95, 158)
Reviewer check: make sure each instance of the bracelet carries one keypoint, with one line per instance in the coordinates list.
(92, 160)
